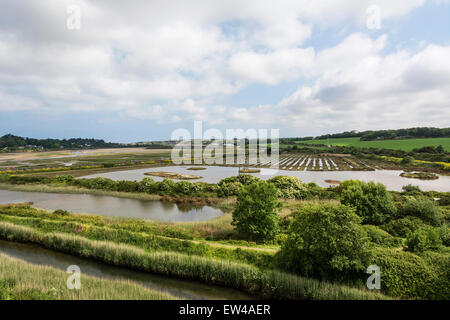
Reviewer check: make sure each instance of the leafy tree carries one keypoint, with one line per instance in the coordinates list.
(255, 215)
(167, 185)
(148, 185)
(425, 209)
(404, 226)
(324, 241)
(425, 238)
(289, 187)
(371, 200)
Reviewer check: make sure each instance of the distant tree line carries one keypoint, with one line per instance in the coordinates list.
(13, 142)
(406, 133)
(423, 132)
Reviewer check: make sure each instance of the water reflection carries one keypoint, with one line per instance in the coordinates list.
(113, 206)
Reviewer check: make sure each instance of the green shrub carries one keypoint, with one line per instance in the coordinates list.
(425, 238)
(127, 186)
(444, 232)
(444, 200)
(289, 187)
(382, 238)
(255, 215)
(425, 209)
(411, 189)
(406, 275)
(325, 241)
(186, 188)
(167, 185)
(372, 201)
(64, 178)
(245, 179)
(402, 227)
(148, 185)
(101, 184)
(229, 189)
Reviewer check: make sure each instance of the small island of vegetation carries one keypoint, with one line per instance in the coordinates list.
(420, 175)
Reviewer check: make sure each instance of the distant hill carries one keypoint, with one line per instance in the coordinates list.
(12, 142)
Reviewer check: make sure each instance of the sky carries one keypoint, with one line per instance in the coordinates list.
(127, 71)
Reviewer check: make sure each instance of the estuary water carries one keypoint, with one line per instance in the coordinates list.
(112, 206)
(213, 174)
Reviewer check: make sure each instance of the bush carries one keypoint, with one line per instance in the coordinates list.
(325, 241)
(289, 187)
(229, 189)
(425, 209)
(404, 226)
(127, 186)
(64, 178)
(245, 179)
(407, 275)
(167, 185)
(101, 184)
(382, 238)
(425, 238)
(187, 188)
(411, 189)
(255, 215)
(444, 232)
(444, 200)
(372, 201)
(148, 185)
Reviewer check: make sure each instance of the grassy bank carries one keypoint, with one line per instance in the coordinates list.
(266, 284)
(146, 241)
(20, 280)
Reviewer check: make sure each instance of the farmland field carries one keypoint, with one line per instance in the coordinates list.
(404, 144)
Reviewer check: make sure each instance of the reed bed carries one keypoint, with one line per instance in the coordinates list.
(265, 284)
(21, 280)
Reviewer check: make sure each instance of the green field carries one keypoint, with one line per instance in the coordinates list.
(405, 144)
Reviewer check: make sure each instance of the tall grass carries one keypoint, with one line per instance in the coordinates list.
(265, 284)
(145, 241)
(21, 280)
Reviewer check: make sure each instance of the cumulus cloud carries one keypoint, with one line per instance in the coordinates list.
(176, 60)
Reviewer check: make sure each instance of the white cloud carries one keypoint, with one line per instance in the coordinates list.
(174, 61)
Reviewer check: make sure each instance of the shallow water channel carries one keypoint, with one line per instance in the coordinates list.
(180, 288)
(111, 206)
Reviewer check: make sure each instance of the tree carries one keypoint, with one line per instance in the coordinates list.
(371, 200)
(440, 149)
(255, 215)
(289, 187)
(325, 240)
